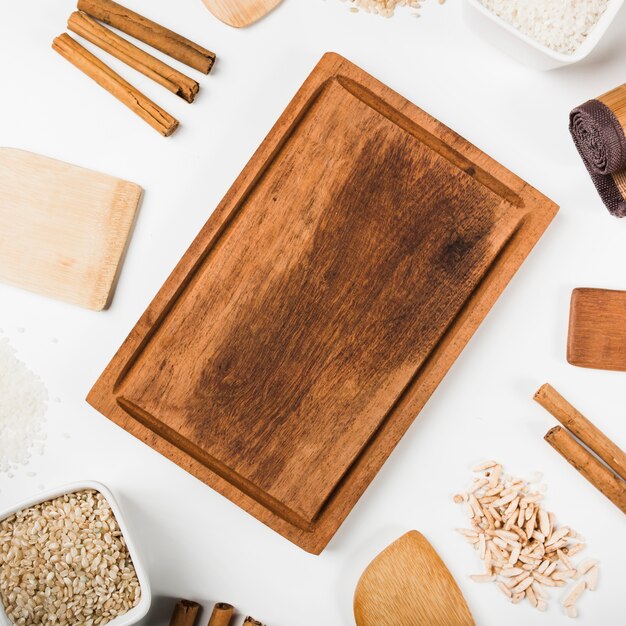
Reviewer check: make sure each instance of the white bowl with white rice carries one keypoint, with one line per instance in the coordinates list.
(66, 558)
(544, 34)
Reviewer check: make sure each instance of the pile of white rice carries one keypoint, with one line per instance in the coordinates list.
(385, 8)
(23, 402)
(561, 25)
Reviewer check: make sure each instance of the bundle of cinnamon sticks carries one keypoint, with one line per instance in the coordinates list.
(83, 22)
(186, 613)
(589, 450)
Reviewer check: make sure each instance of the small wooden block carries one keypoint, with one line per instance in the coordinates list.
(597, 329)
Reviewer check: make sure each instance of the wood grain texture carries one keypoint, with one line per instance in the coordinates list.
(616, 101)
(597, 329)
(409, 585)
(65, 229)
(239, 13)
(322, 303)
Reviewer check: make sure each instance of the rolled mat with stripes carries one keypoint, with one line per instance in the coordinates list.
(598, 128)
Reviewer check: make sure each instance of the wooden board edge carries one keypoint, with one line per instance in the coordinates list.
(539, 212)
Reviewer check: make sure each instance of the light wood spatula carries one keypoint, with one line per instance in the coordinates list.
(240, 13)
(63, 229)
(409, 585)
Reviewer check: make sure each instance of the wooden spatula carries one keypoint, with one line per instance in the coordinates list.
(64, 229)
(240, 13)
(597, 329)
(408, 585)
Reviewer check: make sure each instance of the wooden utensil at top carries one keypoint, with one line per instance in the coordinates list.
(409, 585)
(597, 329)
(64, 228)
(322, 303)
(240, 13)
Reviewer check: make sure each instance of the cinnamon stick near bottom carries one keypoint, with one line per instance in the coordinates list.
(185, 613)
(89, 64)
(135, 57)
(222, 614)
(250, 621)
(551, 400)
(589, 466)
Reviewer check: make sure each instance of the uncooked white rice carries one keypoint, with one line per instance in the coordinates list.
(65, 562)
(23, 402)
(386, 8)
(561, 25)
(523, 550)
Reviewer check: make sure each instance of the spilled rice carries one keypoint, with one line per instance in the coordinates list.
(524, 552)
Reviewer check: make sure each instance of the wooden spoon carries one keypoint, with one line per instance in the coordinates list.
(409, 585)
(240, 13)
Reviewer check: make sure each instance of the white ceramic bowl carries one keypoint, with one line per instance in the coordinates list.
(525, 49)
(138, 612)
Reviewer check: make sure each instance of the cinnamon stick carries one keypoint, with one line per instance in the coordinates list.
(588, 465)
(149, 32)
(135, 57)
(222, 614)
(86, 62)
(250, 621)
(581, 427)
(185, 613)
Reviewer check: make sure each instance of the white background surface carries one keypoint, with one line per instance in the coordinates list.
(197, 544)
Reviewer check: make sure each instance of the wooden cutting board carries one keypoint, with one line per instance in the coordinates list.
(322, 303)
(597, 329)
(408, 584)
(239, 13)
(64, 228)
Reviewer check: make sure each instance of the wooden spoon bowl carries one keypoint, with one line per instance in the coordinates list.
(240, 13)
(409, 585)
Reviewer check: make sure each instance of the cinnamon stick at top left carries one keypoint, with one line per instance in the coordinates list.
(155, 35)
(81, 58)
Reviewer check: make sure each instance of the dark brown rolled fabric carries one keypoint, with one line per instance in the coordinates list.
(598, 128)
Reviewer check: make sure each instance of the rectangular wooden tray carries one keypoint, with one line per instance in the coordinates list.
(322, 303)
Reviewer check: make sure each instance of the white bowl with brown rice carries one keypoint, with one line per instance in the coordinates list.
(66, 558)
